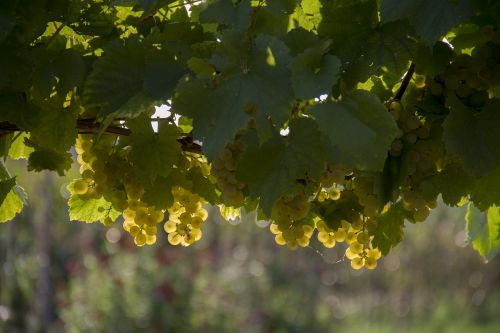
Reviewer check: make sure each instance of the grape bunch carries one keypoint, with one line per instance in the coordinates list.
(140, 220)
(420, 158)
(470, 76)
(102, 171)
(360, 251)
(186, 217)
(224, 169)
(289, 223)
(363, 187)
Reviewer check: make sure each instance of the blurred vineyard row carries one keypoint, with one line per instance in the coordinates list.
(60, 276)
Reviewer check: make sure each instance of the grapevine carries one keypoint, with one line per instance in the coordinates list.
(338, 131)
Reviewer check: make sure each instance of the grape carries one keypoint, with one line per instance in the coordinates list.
(224, 170)
(357, 263)
(370, 263)
(80, 187)
(186, 217)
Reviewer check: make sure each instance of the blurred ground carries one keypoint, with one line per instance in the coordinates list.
(60, 276)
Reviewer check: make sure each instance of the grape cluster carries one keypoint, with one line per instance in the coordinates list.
(416, 148)
(470, 76)
(224, 169)
(140, 220)
(186, 217)
(360, 251)
(288, 225)
(101, 171)
(363, 187)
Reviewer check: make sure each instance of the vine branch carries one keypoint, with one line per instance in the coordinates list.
(90, 126)
(405, 82)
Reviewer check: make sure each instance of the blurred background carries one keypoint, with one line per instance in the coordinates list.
(61, 276)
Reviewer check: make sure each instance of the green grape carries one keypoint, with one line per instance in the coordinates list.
(174, 238)
(370, 263)
(357, 263)
(140, 239)
(280, 240)
(395, 106)
(80, 187)
(356, 247)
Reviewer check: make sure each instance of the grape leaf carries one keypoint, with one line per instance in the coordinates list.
(49, 159)
(388, 230)
(482, 230)
(130, 78)
(487, 190)
(56, 128)
(18, 149)
(14, 109)
(116, 79)
(256, 83)
(159, 192)
(5, 187)
(334, 211)
(224, 12)
(453, 183)
(12, 196)
(430, 18)
(89, 209)
(152, 154)
(431, 61)
(359, 115)
(12, 204)
(202, 185)
(473, 136)
(314, 72)
(307, 15)
(272, 169)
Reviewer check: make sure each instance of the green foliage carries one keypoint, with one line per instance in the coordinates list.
(282, 106)
(483, 230)
(362, 113)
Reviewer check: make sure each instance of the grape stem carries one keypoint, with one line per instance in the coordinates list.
(405, 82)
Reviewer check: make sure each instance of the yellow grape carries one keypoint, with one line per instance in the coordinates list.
(323, 236)
(329, 243)
(170, 226)
(355, 247)
(340, 235)
(357, 263)
(279, 239)
(174, 238)
(80, 187)
(370, 263)
(140, 239)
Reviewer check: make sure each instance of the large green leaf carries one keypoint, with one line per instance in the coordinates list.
(272, 170)
(388, 229)
(430, 18)
(153, 154)
(487, 190)
(255, 83)
(314, 72)
(473, 136)
(225, 13)
(131, 78)
(5, 187)
(483, 230)
(359, 127)
(89, 209)
(12, 196)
